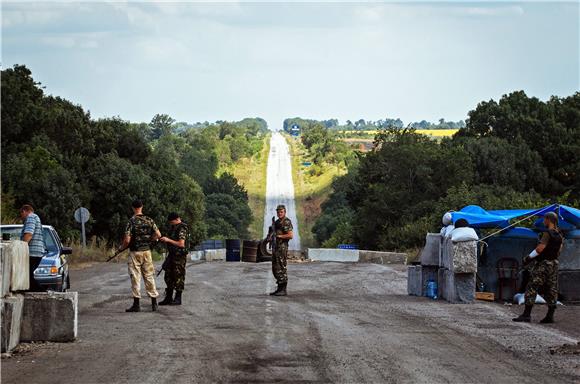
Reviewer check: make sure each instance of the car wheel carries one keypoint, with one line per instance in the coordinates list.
(67, 282)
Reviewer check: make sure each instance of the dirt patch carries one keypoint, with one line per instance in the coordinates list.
(566, 349)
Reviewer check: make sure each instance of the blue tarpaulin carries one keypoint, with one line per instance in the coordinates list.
(478, 217)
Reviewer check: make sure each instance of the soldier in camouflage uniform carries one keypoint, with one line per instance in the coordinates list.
(140, 233)
(283, 228)
(544, 270)
(174, 265)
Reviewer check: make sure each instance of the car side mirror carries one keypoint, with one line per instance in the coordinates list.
(66, 251)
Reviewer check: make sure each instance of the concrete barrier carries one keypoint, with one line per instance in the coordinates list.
(570, 256)
(215, 254)
(11, 315)
(331, 254)
(15, 255)
(431, 251)
(376, 257)
(5, 270)
(457, 287)
(196, 255)
(414, 280)
(460, 257)
(49, 316)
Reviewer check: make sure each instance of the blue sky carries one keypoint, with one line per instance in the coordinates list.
(229, 60)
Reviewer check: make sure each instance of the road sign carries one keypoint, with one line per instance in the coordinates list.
(82, 216)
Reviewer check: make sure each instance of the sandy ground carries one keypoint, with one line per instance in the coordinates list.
(279, 186)
(340, 323)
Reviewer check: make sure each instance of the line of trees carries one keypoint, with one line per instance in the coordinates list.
(369, 125)
(55, 156)
(519, 152)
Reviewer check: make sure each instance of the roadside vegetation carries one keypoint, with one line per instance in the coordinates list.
(519, 152)
(58, 158)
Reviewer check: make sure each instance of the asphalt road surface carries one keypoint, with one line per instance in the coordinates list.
(343, 323)
(279, 186)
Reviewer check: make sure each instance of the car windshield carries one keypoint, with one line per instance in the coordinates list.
(49, 240)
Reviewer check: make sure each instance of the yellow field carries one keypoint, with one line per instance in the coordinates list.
(429, 132)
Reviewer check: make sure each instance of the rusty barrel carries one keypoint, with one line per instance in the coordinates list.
(250, 251)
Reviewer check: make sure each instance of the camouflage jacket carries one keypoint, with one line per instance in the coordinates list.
(282, 227)
(178, 232)
(142, 229)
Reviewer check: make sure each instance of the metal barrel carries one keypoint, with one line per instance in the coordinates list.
(250, 251)
(233, 249)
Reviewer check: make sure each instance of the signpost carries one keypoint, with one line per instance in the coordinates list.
(82, 216)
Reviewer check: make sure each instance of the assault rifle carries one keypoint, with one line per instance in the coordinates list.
(268, 245)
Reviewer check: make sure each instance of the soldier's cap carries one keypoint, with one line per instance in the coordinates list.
(137, 204)
(280, 207)
(172, 216)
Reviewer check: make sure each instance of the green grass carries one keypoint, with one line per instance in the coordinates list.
(310, 191)
(251, 173)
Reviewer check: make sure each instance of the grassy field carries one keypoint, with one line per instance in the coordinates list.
(251, 173)
(310, 191)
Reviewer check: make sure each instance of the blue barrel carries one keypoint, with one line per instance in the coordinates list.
(233, 249)
(432, 289)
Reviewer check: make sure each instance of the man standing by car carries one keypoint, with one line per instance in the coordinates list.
(283, 228)
(32, 234)
(544, 272)
(174, 265)
(140, 233)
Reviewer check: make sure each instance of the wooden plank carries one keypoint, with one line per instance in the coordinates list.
(486, 296)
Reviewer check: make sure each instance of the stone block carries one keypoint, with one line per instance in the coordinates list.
(459, 287)
(49, 316)
(430, 254)
(427, 273)
(570, 255)
(11, 315)
(5, 270)
(460, 257)
(569, 285)
(376, 257)
(442, 283)
(332, 254)
(196, 255)
(414, 280)
(17, 252)
(215, 254)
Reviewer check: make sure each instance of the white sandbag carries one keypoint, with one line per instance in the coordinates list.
(463, 234)
(520, 299)
(448, 230)
(447, 219)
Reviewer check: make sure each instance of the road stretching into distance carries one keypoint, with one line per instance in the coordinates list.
(279, 186)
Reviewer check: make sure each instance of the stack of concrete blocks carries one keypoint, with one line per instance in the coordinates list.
(458, 270)
(49, 316)
(14, 277)
(419, 275)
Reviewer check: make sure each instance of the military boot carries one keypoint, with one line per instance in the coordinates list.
(177, 300)
(526, 316)
(135, 307)
(281, 290)
(154, 305)
(549, 319)
(168, 299)
(276, 291)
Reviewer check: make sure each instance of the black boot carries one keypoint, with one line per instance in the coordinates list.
(135, 307)
(276, 291)
(168, 299)
(526, 316)
(549, 319)
(154, 305)
(177, 300)
(281, 290)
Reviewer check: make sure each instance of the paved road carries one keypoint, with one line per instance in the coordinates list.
(279, 186)
(344, 323)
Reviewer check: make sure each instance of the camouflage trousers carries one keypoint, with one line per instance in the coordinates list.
(280, 263)
(174, 275)
(544, 274)
(140, 263)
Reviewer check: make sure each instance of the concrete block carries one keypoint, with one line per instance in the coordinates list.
(331, 254)
(49, 316)
(432, 250)
(569, 285)
(427, 273)
(414, 280)
(459, 287)
(215, 254)
(442, 283)
(382, 257)
(196, 255)
(570, 255)
(5, 270)
(17, 252)
(11, 318)
(460, 257)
